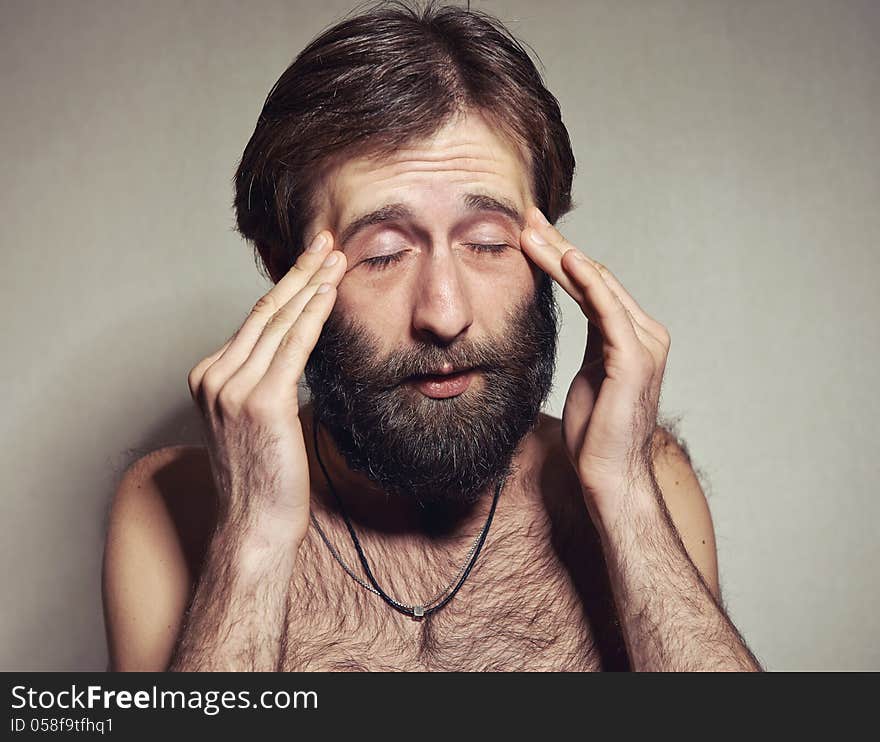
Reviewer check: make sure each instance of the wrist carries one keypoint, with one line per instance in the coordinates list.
(264, 526)
(257, 546)
(633, 506)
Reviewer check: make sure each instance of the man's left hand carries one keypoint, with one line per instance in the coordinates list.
(611, 409)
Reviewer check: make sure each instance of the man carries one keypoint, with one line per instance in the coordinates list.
(421, 513)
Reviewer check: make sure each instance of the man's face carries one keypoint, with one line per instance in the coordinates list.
(436, 281)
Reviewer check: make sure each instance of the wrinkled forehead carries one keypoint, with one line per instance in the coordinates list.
(437, 174)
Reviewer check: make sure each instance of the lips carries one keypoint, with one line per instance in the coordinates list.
(441, 386)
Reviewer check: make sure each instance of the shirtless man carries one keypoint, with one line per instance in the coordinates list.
(420, 513)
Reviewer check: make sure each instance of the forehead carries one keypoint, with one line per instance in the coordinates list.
(464, 156)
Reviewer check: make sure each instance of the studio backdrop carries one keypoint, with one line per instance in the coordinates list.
(728, 172)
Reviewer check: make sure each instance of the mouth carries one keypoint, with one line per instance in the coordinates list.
(443, 384)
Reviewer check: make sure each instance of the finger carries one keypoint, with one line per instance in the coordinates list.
(651, 333)
(643, 322)
(640, 316)
(608, 312)
(546, 245)
(267, 345)
(198, 371)
(548, 257)
(578, 275)
(279, 383)
(303, 270)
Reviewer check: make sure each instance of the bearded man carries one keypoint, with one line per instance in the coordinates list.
(420, 512)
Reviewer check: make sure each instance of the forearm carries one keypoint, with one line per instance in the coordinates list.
(669, 617)
(238, 616)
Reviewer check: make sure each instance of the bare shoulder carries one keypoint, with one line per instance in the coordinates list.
(686, 503)
(682, 493)
(161, 520)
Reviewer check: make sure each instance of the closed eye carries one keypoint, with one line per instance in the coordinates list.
(383, 261)
(480, 247)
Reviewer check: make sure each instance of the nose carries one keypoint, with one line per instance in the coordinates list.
(442, 309)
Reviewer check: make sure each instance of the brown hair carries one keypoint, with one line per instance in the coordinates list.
(376, 81)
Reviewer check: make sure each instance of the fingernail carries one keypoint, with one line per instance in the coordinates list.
(331, 259)
(323, 288)
(578, 255)
(542, 218)
(537, 238)
(318, 243)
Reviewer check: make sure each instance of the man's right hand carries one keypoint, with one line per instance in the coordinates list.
(247, 394)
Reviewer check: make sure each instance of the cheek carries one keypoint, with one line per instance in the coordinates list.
(356, 301)
(513, 276)
(503, 290)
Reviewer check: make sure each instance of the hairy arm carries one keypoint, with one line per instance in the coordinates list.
(247, 394)
(166, 551)
(664, 578)
(671, 618)
(238, 616)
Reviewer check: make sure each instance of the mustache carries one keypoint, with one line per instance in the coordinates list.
(428, 359)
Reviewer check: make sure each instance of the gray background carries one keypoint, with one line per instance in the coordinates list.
(727, 173)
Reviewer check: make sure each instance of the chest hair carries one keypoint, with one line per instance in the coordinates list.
(538, 599)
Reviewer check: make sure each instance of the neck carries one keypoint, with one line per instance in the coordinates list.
(370, 508)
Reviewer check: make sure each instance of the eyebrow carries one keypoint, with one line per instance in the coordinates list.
(473, 202)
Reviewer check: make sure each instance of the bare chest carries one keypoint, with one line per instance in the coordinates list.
(537, 600)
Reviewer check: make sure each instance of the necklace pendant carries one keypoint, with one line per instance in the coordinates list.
(418, 612)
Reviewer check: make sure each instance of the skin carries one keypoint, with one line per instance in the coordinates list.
(642, 496)
(442, 288)
(608, 426)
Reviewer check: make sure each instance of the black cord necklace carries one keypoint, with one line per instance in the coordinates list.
(417, 612)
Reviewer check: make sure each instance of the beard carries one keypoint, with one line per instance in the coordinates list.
(435, 452)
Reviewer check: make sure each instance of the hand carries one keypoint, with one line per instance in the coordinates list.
(247, 394)
(611, 409)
